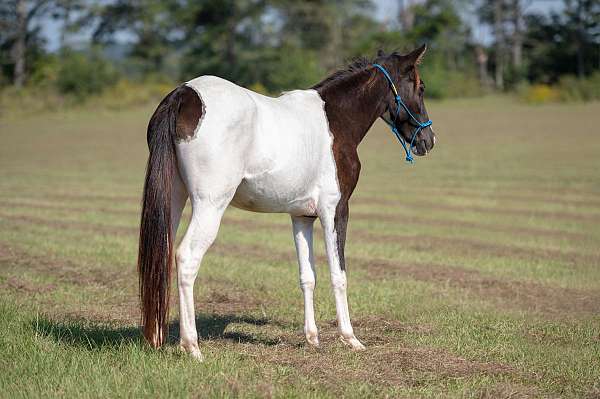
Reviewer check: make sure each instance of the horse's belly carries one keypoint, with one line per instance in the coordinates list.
(270, 195)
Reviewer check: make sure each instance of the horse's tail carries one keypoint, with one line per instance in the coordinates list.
(155, 255)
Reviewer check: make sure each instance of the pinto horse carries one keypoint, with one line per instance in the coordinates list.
(220, 144)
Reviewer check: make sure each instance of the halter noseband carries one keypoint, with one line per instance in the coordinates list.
(399, 103)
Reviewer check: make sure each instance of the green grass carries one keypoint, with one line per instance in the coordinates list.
(474, 273)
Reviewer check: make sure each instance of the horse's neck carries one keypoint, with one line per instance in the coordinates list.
(353, 104)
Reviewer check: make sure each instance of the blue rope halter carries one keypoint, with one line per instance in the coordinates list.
(399, 103)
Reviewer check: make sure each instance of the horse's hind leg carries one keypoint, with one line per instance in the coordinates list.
(202, 231)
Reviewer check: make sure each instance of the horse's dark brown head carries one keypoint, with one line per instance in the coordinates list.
(403, 70)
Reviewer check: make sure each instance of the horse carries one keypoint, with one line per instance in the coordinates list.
(220, 144)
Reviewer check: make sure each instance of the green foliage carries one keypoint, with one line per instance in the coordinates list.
(83, 74)
(573, 89)
(284, 44)
(538, 93)
(292, 68)
(568, 89)
(126, 94)
(444, 83)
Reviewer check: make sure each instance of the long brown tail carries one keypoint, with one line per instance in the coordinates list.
(155, 256)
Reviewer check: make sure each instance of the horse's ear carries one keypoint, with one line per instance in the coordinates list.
(416, 56)
(380, 53)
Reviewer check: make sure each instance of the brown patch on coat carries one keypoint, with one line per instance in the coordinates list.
(354, 98)
(190, 113)
(353, 102)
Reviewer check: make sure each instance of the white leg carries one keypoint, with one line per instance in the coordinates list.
(201, 233)
(303, 238)
(338, 281)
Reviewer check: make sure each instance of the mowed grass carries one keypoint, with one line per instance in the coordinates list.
(473, 273)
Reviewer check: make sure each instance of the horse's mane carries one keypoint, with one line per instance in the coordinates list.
(358, 64)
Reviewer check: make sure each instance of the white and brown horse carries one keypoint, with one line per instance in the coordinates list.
(219, 144)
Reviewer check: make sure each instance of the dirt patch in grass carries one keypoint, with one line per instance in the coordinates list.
(413, 204)
(382, 366)
(70, 224)
(555, 301)
(359, 215)
(547, 300)
(224, 296)
(512, 230)
(67, 208)
(63, 270)
(387, 363)
(508, 390)
(468, 247)
(529, 296)
(27, 286)
(515, 196)
(113, 306)
(462, 246)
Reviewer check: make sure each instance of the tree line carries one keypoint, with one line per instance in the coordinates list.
(274, 45)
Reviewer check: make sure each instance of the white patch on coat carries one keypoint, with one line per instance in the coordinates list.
(276, 153)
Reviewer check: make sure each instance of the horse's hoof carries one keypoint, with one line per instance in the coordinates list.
(353, 343)
(313, 340)
(193, 352)
(197, 355)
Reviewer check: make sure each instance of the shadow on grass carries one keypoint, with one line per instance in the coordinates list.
(97, 336)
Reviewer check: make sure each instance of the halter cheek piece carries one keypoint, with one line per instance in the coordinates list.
(399, 103)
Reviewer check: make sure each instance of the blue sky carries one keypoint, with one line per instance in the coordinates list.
(385, 10)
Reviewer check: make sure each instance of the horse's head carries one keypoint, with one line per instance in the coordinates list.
(404, 74)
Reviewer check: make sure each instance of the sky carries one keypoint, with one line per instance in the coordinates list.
(385, 10)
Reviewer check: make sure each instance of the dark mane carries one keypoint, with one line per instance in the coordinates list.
(357, 65)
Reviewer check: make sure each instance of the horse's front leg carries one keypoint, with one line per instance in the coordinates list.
(303, 238)
(334, 229)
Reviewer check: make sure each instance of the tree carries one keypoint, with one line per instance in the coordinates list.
(151, 25)
(566, 43)
(19, 34)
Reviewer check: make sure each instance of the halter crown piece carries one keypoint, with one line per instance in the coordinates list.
(399, 103)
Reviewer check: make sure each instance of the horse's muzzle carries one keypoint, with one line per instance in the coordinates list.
(425, 143)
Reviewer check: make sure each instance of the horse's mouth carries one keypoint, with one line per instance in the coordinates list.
(423, 146)
(420, 149)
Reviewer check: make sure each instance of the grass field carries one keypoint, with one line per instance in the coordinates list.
(474, 273)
